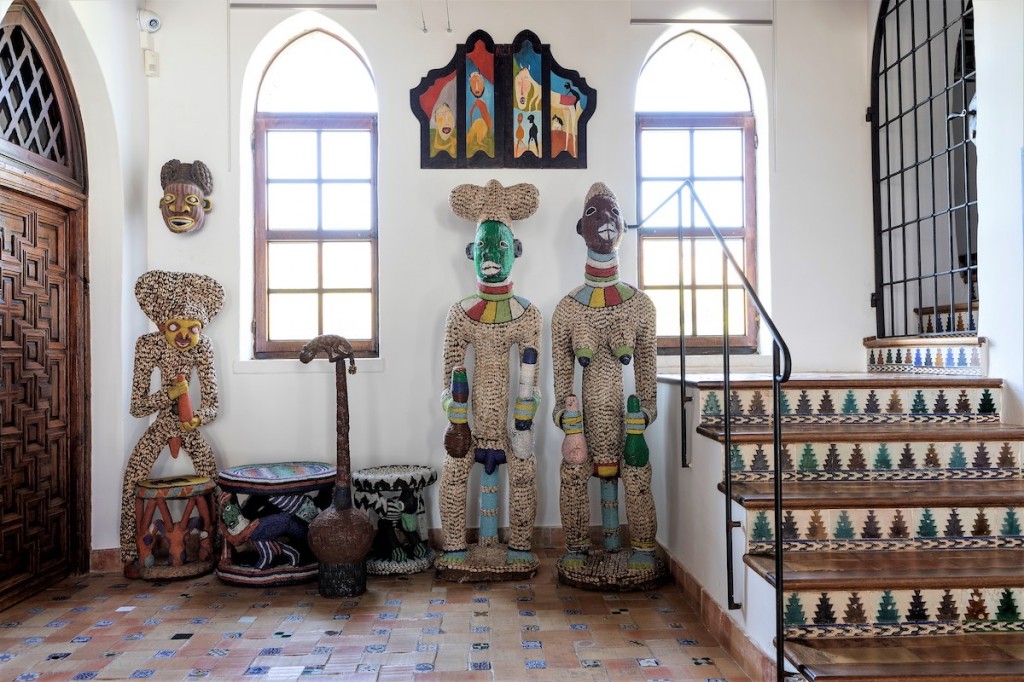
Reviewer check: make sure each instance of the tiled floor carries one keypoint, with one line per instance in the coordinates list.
(407, 628)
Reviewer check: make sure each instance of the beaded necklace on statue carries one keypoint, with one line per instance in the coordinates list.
(603, 288)
(494, 303)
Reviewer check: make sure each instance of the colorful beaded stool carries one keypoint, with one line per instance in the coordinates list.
(393, 497)
(264, 536)
(170, 548)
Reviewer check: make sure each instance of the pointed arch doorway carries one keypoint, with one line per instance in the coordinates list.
(44, 354)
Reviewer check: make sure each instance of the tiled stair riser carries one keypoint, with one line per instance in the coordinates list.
(855, 406)
(930, 359)
(909, 612)
(960, 323)
(875, 461)
(822, 530)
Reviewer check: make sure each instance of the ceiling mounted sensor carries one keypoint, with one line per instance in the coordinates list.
(149, 21)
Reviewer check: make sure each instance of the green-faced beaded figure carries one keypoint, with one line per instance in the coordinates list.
(492, 320)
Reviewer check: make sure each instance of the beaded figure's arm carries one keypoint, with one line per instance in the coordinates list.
(529, 365)
(455, 344)
(646, 359)
(562, 359)
(147, 354)
(207, 411)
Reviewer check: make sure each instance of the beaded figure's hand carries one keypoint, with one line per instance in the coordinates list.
(191, 425)
(574, 445)
(177, 389)
(636, 452)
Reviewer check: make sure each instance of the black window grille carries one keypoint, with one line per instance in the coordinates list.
(923, 113)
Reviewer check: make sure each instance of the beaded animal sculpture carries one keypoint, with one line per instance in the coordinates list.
(492, 320)
(605, 325)
(181, 304)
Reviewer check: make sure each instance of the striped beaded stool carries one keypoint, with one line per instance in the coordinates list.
(264, 516)
(168, 547)
(393, 497)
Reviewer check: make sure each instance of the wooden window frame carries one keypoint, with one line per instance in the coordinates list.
(745, 343)
(263, 347)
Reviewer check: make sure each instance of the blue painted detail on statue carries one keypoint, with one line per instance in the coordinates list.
(490, 458)
(489, 503)
(610, 513)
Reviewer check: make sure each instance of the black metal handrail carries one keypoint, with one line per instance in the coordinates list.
(782, 365)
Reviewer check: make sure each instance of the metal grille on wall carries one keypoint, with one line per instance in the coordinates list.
(923, 114)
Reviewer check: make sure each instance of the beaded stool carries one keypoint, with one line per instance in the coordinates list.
(264, 537)
(393, 496)
(170, 548)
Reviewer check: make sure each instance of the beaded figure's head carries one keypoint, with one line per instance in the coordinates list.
(184, 203)
(180, 304)
(493, 208)
(601, 225)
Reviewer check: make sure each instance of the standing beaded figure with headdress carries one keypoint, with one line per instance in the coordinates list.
(181, 304)
(605, 325)
(492, 320)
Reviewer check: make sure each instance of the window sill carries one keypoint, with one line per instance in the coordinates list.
(317, 366)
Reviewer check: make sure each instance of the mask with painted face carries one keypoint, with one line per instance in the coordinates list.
(182, 334)
(493, 252)
(184, 203)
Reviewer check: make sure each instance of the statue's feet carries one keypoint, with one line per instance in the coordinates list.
(453, 558)
(420, 550)
(642, 560)
(131, 570)
(398, 555)
(518, 556)
(575, 558)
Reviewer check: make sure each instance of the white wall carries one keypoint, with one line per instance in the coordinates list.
(816, 83)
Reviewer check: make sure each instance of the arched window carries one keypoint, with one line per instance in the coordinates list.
(694, 122)
(924, 167)
(315, 197)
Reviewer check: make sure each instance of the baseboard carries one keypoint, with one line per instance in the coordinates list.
(755, 663)
(105, 560)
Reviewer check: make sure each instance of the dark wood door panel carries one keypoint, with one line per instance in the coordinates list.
(35, 466)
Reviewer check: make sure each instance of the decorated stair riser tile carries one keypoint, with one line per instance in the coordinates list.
(930, 528)
(903, 612)
(942, 322)
(896, 461)
(855, 406)
(934, 359)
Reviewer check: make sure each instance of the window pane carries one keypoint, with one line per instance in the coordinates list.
(691, 73)
(292, 317)
(708, 263)
(723, 201)
(349, 315)
(347, 206)
(661, 261)
(292, 266)
(346, 155)
(291, 206)
(652, 194)
(665, 153)
(347, 265)
(317, 73)
(718, 153)
(709, 312)
(666, 302)
(291, 154)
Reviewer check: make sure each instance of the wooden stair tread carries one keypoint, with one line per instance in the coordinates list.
(934, 569)
(989, 656)
(880, 494)
(865, 433)
(839, 379)
(968, 339)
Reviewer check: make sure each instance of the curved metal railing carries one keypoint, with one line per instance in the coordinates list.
(782, 365)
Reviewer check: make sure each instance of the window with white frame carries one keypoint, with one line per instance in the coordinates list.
(315, 199)
(695, 141)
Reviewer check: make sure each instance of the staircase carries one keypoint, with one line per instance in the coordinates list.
(903, 513)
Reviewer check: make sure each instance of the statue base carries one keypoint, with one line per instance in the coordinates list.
(610, 572)
(343, 580)
(389, 567)
(486, 562)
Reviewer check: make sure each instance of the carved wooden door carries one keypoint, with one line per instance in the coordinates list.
(35, 395)
(44, 382)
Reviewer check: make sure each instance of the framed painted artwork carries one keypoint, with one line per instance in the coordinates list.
(503, 106)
